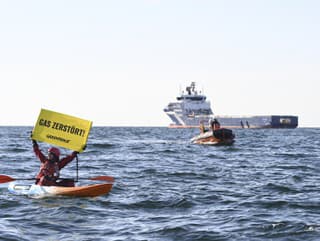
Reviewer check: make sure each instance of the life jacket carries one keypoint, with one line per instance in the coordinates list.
(49, 169)
(216, 126)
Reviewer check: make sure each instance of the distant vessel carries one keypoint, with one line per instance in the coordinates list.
(192, 107)
(267, 121)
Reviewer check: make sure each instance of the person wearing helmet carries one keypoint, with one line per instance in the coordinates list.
(51, 165)
(214, 124)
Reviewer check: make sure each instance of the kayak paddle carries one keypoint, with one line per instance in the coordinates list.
(5, 178)
(103, 178)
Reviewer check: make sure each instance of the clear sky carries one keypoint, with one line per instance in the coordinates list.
(119, 63)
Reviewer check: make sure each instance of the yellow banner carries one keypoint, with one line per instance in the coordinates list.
(62, 130)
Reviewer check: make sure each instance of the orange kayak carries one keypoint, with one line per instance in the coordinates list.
(43, 191)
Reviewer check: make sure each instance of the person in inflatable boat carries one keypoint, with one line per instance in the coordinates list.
(51, 165)
(202, 127)
(214, 124)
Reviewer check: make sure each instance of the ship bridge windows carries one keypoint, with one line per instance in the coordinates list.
(173, 106)
(198, 111)
(192, 98)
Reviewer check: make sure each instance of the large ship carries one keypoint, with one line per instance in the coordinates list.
(192, 108)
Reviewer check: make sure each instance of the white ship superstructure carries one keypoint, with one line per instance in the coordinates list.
(191, 108)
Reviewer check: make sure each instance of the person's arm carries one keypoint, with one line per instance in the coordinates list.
(201, 128)
(37, 151)
(64, 161)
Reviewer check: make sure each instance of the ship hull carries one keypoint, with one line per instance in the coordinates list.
(253, 122)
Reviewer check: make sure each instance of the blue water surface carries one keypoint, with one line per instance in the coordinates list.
(263, 187)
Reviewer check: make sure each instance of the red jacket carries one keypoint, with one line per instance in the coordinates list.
(49, 171)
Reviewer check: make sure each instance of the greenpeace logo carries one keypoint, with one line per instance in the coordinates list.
(58, 138)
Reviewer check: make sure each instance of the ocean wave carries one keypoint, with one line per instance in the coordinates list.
(264, 187)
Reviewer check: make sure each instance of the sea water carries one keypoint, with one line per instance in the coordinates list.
(265, 186)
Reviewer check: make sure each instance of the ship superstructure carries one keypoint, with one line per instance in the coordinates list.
(192, 107)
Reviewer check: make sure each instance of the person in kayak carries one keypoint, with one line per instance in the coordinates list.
(51, 165)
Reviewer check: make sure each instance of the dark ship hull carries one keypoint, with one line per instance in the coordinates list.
(271, 121)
